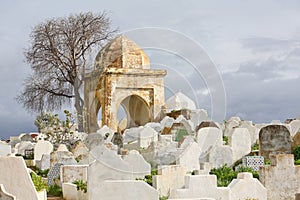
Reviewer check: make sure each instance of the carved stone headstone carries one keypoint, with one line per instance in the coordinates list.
(5, 195)
(295, 127)
(220, 156)
(281, 178)
(62, 155)
(24, 146)
(80, 152)
(206, 124)
(296, 140)
(208, 138)
(26, 138)
(41, 148)
(44, 163)
(93, 140)
(70, 173)
(140, 167)
(274, 138)
(169, 177)
(240, 142)
(16, 179)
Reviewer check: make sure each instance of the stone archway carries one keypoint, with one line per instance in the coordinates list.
(137, 111)
(122, 76)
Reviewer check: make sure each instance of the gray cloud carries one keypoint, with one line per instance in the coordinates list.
(255, 44)
(266, 44)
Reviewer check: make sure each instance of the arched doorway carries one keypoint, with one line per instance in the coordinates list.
(137, 111)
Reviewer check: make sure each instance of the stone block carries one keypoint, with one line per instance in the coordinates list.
(274, 138)
(240, 143)
(198, 116)
(144, 135)
(295, 127)
(63, 156)
(167, 122)
(233, 122)
(251, 129)
(26, 137)
(5, 195)
(106, 164)
(104, 130)
(201, 186)
(140, 168)
(122, 189)
(169, 177)
(281, 178)
(220, 156)
(70, 192)
(70, 173)
(16, 179)
(44, 163)
(205, 124)
(247, 187)
(81, 152)
(155, 125)
(93, 140)
(179, 101)
(208, 138)
(23, 146)
(205, 168)
(41, 148)
(189, 156)
(296, 140)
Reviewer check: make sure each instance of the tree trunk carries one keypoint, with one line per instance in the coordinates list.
(79, 105)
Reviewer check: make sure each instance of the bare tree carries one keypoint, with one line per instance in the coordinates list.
(59, 55)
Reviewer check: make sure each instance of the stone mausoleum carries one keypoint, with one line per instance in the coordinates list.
(122, 77)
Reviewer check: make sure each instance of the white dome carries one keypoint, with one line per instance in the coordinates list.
(180, 101)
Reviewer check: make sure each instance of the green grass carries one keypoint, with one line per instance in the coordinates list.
(38, 182)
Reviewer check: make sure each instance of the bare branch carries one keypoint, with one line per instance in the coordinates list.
(58, 54)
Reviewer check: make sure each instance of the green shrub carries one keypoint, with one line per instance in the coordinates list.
(225, 139)
(42, 173)
(247, 169)
(297, 162)
(296, 153)
(255, 147)
(148, 178)
(29, 157)
(163, 198)
(224, 175)
(267, 161)
(81, 185)
(55, 190)
(38, 182)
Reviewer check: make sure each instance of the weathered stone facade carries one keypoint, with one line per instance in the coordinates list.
(122, 76)
(281, 178)
(273, 139)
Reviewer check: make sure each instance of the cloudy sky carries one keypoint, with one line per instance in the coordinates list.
(254, 45)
